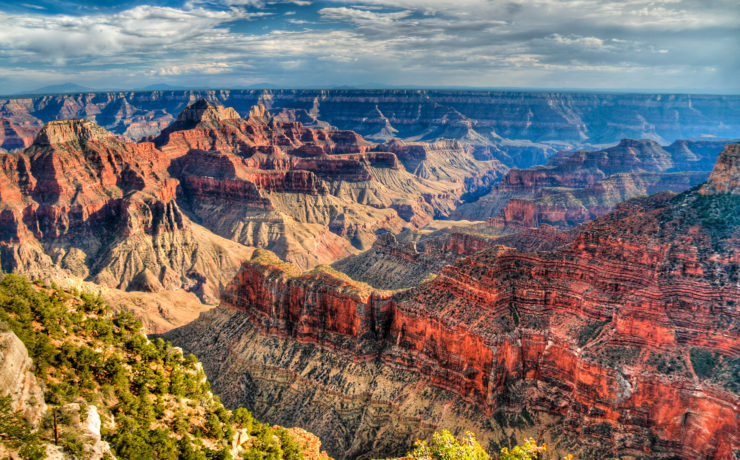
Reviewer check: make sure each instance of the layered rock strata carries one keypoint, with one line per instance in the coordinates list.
(405, 260)
(181, 212)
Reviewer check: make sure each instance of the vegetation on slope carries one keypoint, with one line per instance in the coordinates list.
(154, 402)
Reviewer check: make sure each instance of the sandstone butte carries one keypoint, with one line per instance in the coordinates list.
(170, 220)
(623, 343)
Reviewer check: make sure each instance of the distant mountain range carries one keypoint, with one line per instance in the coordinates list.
(61, 88)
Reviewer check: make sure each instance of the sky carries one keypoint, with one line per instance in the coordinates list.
(622, 45)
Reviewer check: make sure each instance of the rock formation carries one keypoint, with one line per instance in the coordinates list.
(405, 260)
(574, 187)
(104, 209)
(261, 181)
(614, 339)
(623, 343)
(725, 177)
(17, 380)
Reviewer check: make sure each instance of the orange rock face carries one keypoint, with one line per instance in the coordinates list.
(202, 126)
(629, 333)
(245, 178)
(79, 203)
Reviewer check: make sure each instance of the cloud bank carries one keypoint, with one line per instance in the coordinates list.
(661, 45)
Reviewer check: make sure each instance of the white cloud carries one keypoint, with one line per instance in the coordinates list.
(359, 16)
(59, 38)
(588, 42)
(210, 68)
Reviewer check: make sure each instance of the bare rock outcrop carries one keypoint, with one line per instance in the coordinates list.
(181, 212)
(17, 379)
(725, 177)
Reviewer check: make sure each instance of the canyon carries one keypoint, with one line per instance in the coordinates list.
(621, 344)
(354, 298)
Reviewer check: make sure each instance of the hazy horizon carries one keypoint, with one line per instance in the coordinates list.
(268, 87)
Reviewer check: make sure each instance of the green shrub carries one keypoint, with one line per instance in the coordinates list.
(704, 362)
(445, 446)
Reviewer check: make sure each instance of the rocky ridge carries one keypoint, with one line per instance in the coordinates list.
(105, 210)
(407, 259)
(725, 177)
(260, 175)
(622, 343)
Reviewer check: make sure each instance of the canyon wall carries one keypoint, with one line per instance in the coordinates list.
(181, 211)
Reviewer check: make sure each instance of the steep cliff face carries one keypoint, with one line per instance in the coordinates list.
(518, 128)
(574, 187)
(623, 343)
(725, 177)
(118, 213)
(204, 126)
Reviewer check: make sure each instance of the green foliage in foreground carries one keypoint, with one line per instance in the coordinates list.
(445, 446)
(160, 400)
